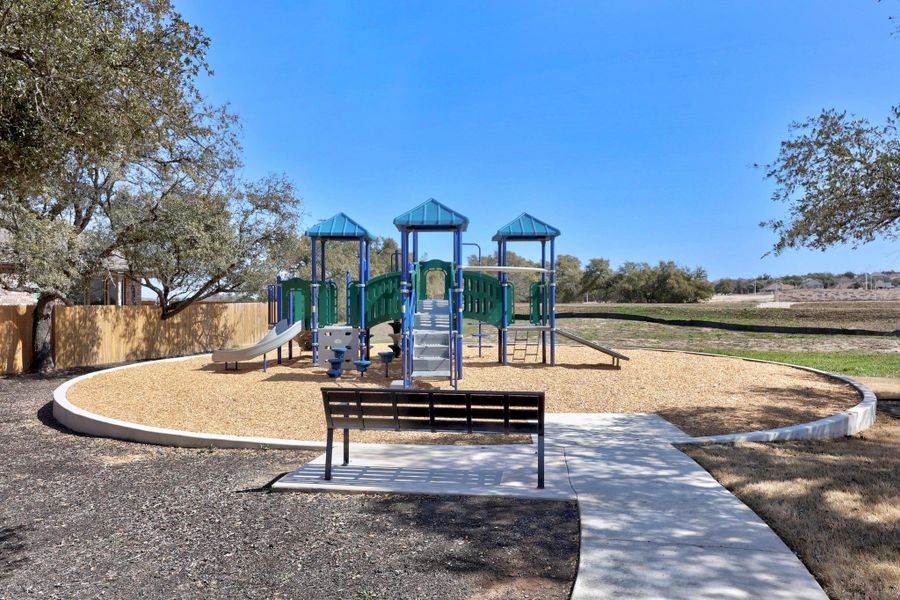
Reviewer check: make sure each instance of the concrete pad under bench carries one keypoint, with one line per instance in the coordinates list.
(654, 524)
(501, 471)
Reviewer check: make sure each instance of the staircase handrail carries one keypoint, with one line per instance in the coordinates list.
(451, 332)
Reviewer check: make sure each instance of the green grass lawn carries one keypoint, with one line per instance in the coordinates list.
(864, 364)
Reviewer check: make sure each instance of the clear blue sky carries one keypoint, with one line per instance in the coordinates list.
(631, 126)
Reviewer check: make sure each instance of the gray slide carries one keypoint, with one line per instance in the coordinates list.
(576, 338)
(278, 336)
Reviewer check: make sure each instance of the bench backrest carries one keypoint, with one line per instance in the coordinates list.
(434, 410)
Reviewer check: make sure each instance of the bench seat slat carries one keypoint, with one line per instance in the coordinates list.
(492, 401)
(440, 412)
(457, 425)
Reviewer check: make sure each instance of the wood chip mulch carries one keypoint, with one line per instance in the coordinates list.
(702, 395)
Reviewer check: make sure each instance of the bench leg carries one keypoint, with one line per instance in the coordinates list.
(346, 446)
(329, 439)
(540, 462)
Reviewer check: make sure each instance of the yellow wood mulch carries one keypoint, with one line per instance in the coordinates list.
(702, 395)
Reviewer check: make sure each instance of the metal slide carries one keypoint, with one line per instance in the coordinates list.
(575, 338)
(278, 336)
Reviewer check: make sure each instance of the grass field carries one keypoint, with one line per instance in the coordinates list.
(875, 316)
(865, 364)
(855, 355)
(836, 503)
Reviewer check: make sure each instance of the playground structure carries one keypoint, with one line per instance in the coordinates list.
(430, 329)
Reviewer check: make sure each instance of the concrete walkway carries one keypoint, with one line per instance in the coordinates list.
(654, 524)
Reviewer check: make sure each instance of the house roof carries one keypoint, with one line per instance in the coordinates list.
(526, 227)
(340, 226)
(432, 215)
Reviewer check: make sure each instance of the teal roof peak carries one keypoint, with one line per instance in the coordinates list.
(340, 226)
(433, 215)
(526, 227)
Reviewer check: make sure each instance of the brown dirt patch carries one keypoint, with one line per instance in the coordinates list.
(884, 388)
(835, 502)
(702, 395)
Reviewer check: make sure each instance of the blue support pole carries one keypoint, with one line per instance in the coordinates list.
(504, 278)
(362, 299)
(459, 307)
(366, 280)
(415, 246)
(323, 262)
(290, 323)
(552, 303)
(500, 328)
(404, 292)
(278, 299)
(348, 298)
(544, 301)
(314, 292)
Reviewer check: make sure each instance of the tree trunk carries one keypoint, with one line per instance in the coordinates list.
(42, 329)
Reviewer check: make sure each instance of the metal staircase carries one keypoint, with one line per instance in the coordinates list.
(431, 331)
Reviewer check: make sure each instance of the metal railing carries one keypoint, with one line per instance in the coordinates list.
(451, 333)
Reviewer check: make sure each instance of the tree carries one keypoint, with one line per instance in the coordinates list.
(632, 282)
(677, 284)
(230, 240)
(667, 282)
(568, 278)
(596, 279)
(108, 149)
(840, 176)
(726, 286)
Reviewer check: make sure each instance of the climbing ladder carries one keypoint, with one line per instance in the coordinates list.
(523, 347)
(431, 332)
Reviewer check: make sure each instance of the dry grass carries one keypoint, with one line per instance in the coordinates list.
(835, 502)
(702, 395)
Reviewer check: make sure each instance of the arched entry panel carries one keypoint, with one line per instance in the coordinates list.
(427, 266)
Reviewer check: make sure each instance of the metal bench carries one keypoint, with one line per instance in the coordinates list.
(437, 411)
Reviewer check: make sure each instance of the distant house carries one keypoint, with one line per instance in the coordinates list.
(111, 286)
(14, 298)
(883, 284)
(777, 287)
(813, 284)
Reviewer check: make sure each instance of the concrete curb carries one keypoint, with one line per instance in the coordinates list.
(83, 421)
(849, 422)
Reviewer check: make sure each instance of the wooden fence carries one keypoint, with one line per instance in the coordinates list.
(103, 335)
(15, 338)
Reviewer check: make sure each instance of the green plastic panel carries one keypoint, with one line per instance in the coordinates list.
(300, 307)
(383, 302)
(327, 301)
(421, 276)
(534, 302)
(482, 299)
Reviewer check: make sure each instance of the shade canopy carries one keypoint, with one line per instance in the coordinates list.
(431, 215)
(339, 227)
(526, 227)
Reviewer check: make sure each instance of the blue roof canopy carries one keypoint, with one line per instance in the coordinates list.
(526, 227)
(339, 227)
(432, 215)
